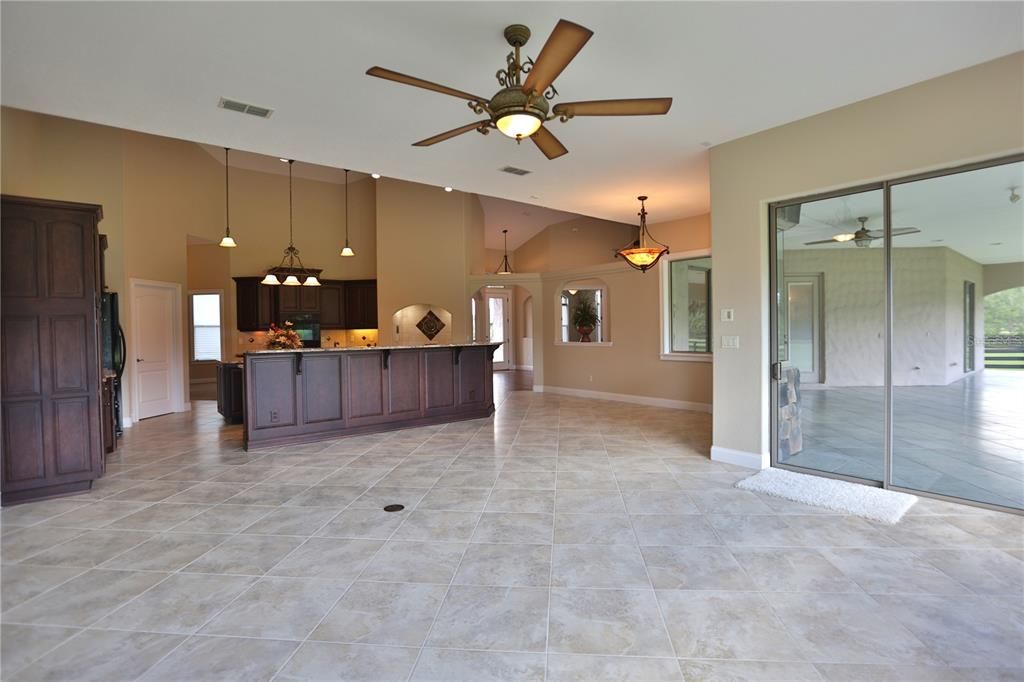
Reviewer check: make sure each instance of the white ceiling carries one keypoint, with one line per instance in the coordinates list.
(734, 68)
(968, 212)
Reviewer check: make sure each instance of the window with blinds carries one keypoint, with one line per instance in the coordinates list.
(205, 326)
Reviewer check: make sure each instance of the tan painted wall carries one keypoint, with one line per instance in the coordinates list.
(572, 244)
(968, 115)
(632, 364)
(209, 268)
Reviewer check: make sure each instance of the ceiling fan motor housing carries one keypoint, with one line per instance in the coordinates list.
(514, 101)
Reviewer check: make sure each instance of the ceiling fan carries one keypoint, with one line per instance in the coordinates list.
(521, 108)
(863, 236)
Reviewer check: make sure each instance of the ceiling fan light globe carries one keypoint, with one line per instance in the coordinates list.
(518, 125)
(845, 237)
(227, 242)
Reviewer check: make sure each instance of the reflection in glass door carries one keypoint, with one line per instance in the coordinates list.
(829, 313)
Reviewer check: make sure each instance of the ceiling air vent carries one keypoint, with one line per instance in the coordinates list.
(243, 108)
(514, 171)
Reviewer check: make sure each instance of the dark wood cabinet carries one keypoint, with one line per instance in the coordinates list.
(332, 305)
(52, 438)
(350, 304)
(230, 393)
(255, 304)
(361, 304)
(107, 418)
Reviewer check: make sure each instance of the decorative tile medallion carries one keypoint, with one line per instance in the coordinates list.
(431, 325)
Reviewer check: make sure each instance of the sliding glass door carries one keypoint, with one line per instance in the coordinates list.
(895, 308)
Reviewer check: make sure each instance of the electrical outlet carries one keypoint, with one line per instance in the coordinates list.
(730, 342)
(728, 315)
(275, 416)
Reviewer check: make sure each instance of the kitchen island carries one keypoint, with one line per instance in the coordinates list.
(307, 395)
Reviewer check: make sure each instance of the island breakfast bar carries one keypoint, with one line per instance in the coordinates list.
(306, 395)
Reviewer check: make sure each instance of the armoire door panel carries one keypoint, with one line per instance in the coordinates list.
(321, 380)
(404, 382)
(20, 266)
(24, 444)
(21, 353)
(72, 426)
(67, 251)
(68, 344)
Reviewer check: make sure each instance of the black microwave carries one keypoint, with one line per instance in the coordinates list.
(307, 326)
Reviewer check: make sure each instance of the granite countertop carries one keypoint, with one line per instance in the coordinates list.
(365, 348)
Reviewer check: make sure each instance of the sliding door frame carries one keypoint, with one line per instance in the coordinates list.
(773, 303)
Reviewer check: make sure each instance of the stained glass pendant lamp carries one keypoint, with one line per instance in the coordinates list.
(644, 253)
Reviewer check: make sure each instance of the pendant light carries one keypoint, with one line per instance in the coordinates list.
(227, 242)
(347, 251)
(641, 254)
(291, 254)
(505, 268)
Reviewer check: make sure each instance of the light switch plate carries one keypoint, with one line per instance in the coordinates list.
(728, 314)
(730, 342)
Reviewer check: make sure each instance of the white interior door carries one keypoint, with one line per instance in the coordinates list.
(804, 330)
(154, 310)
(499, 327)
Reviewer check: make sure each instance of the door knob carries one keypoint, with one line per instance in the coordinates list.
(138, 359)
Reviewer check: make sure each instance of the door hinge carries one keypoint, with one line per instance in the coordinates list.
(777, 371)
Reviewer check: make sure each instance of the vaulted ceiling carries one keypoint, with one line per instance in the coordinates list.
(733, 68)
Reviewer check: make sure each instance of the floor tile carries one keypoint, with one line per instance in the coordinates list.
(506, 565)
(180, 605)
(245, 555)
(227, 518)
(494, 618)
(328, 661)
(593, 529)
(674, 529)
(446, 665)
(277, 608)
(429, 524)
(658, 502)
(513, 527)
(749, 671)
(892, 571)
(157, 517)
(85, 599)
(103, 655)
(455, 499)
(382, 613)
(19, 583)
(526, 501)
(217, 659)
(614, 622)
(89, 549)
(22, 644)
(166, 552)
(726, 625)
(415, 562)
(787, 569)
(328, 558)
(589, 502)
(363, 523)
(329, 496)
(694, 568)
(586, 668)
(96, 515)
(297, 521)
(598, 566)
(852, 672)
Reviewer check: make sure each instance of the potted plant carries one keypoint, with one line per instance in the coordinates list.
(585, 318)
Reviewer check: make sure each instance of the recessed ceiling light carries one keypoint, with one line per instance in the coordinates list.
(447, 189)
(936, 241)
(996, 244)
(705, 144)
(283, 160)
(375, 176)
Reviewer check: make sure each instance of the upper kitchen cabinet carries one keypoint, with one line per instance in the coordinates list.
(300, 299)
(361, 304)
(332, 305)
(255, 303)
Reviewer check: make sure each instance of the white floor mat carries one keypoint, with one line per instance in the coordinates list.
(877, 504)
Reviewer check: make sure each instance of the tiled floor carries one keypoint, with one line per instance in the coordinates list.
(962, 440)
(564, 539)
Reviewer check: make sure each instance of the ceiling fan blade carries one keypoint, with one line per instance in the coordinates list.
(653, 106)
(880, 234)
(562, 46)
(548, 143)
(388, 74)
(447, 135)
(823, 241)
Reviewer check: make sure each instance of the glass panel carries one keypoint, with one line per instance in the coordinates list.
(206, 340)
(690, 294)
(581, 314)
(830, 315)
(496, 325)
(957, 427)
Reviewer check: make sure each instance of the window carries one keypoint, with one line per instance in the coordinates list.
(472, 318)
(582, 315)
(205, 308)
(686, 307)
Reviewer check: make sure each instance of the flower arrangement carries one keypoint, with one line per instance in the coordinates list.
(283, 338)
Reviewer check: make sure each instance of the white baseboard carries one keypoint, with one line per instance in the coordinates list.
(186, 407)
(741, 458)
(126, 421)
(626, 398)
(528, 368)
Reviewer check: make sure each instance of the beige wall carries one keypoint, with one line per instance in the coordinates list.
(209, 268)
(968, 115)
(572, 244)
(631, 365)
